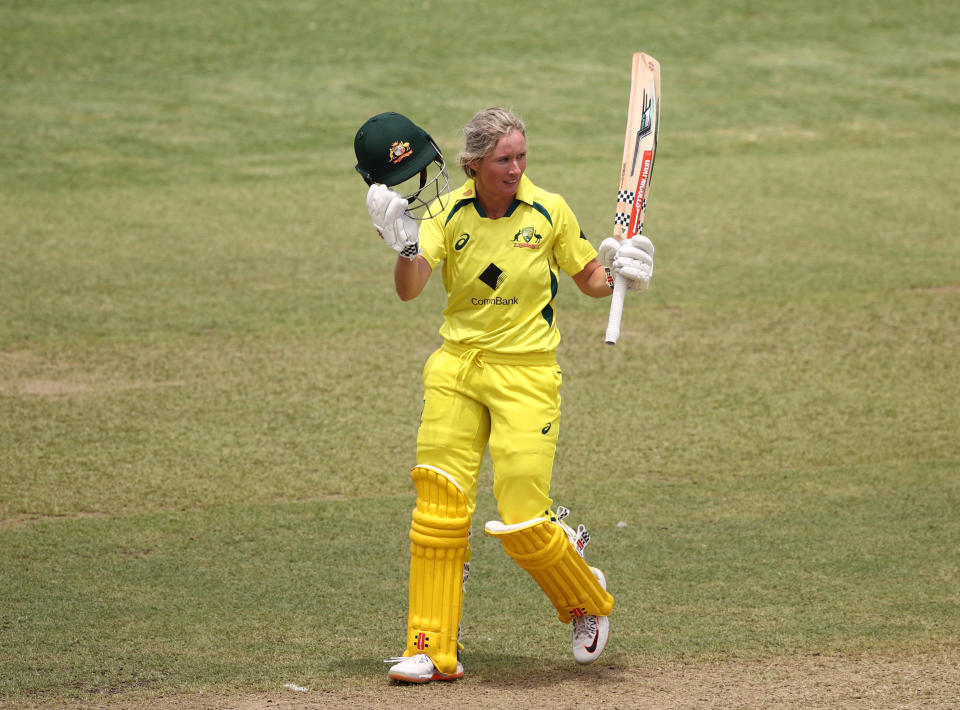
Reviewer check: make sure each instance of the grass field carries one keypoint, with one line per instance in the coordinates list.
(209, 392)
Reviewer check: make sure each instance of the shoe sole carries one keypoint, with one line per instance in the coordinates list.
(419, 680)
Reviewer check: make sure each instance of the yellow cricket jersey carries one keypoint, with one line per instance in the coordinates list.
(501, 275)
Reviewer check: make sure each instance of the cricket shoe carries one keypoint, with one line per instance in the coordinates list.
(419, 669)
(590, 633)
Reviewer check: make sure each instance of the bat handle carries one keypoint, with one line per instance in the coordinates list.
(616, 310)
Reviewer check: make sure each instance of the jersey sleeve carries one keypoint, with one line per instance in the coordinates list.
(572, 249)
(432, 240)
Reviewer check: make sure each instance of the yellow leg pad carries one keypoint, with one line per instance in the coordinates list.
(541, 547)
(439, 544)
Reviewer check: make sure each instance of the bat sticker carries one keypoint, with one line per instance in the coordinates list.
(646, 122)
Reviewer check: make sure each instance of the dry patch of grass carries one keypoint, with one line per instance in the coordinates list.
(928, 680)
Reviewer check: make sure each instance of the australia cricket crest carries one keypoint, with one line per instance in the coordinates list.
(527, 238)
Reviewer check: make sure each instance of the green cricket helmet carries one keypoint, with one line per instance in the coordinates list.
(391, 149)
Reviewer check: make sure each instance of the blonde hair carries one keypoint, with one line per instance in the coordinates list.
(482, 133)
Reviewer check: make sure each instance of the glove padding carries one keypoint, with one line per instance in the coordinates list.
(388, 211)
(632, 259)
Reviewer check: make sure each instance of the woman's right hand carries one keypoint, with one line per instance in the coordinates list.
(388, 211)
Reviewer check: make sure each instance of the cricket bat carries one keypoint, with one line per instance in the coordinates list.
(639, 150)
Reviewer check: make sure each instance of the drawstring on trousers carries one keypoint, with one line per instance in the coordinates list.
(468, 358)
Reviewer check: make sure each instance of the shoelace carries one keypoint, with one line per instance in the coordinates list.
(401, 659)
(585, 628)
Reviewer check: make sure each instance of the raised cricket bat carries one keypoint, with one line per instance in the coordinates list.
(639, 150)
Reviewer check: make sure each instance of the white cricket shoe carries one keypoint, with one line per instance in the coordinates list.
(590, 633)
(419, 669)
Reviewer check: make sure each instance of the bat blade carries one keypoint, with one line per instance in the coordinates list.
(636, 169)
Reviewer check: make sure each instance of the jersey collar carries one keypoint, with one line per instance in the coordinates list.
(525, 190)
(468, 193)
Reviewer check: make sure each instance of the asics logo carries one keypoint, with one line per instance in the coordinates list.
(546, 428)
(462, 241)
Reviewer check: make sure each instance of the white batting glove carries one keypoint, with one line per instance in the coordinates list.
(632, 259)
(388, 211)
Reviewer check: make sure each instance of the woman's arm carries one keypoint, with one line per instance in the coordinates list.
(410, 276)
(592, 280)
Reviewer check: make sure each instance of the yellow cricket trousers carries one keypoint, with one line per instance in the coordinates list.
(474, 399)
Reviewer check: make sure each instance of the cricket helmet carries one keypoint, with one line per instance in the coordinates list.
(392, 149)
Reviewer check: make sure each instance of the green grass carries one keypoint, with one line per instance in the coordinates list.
(209, 392)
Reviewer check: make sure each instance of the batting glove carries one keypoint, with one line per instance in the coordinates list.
(388, 211)
(632, 259)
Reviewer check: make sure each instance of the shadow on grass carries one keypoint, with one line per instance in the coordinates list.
(502, 671)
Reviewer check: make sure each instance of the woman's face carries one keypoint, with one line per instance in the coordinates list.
(498, 173)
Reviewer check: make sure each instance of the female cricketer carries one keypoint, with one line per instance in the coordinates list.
(500, 242)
